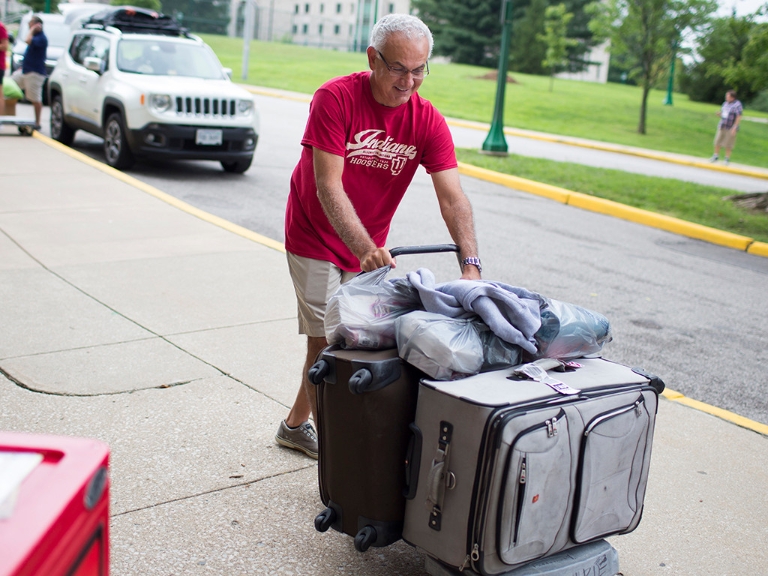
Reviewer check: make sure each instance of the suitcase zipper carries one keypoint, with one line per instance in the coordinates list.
(520, 499)
(608, 415)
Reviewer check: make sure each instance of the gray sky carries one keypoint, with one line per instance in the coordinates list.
(743, 7)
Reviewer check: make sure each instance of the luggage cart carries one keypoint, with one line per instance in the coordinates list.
(25, 126)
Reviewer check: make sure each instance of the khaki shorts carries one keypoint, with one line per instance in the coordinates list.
(725, 138)
(315, 281)
(31, 83)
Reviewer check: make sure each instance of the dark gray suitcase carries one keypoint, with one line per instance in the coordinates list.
(366, 400)
(508, 471)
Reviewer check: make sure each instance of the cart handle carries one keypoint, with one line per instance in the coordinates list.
(428, 249)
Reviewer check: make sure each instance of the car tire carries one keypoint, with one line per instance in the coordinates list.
(238, 166)
(116, 149)
(60, 130)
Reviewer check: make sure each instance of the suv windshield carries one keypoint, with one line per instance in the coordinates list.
(158, 57)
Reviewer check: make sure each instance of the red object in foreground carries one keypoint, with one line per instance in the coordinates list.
(59, 522)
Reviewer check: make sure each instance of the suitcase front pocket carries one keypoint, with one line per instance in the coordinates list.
(535, 491)
(611, 467)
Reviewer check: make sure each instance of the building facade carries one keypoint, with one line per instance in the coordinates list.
(333, 24)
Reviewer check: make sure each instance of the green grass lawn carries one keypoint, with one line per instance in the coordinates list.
(606, 112)
(685, 200)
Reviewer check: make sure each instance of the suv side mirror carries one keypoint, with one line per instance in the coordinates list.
(94, 64)
(228, 72)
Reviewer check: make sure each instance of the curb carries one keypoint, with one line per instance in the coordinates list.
(549, 191)
(617, 210)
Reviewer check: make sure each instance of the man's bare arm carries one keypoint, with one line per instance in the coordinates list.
(341, 214)
(457, 214)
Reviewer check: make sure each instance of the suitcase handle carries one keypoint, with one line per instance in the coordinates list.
(413, 462)
(427, 249)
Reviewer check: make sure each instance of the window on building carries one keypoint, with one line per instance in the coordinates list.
(351, 29)
(322, 8)
(295, 29)
(305, 28)
(306, 8)
(337, 29)
(338, 8)
(391, 8)
(320, 29)
(295, 8)
(352, 8)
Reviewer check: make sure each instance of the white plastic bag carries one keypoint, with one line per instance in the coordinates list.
(570, 331)
(361, 314)
(442, 347)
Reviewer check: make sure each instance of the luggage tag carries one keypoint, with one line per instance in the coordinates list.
(538, 371)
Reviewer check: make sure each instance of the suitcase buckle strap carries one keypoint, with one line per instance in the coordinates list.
(439, 477)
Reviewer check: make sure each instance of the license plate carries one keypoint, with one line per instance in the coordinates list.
(206, 137)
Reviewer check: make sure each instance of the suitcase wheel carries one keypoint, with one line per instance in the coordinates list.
(360, 381)
(318, 371)
(324, 520)
(365, 538)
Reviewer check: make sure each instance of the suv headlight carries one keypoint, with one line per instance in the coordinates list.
(160, 102)
(18, 60)
(244, 106)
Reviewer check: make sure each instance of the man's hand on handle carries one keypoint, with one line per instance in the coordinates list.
(375, 259)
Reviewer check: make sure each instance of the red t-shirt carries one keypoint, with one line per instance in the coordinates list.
(3, 36)
(382, 148)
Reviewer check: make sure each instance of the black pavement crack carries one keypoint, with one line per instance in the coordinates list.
(213, 491)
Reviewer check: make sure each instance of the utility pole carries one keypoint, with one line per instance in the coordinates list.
(671, 84)
(495, 143)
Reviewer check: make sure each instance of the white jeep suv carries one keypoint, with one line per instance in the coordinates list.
(151, 94)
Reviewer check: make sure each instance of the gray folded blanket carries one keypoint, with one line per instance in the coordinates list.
(510, 312)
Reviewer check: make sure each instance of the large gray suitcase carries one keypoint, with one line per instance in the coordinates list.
(504, 471)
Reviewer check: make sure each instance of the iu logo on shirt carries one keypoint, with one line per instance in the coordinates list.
(371, 149)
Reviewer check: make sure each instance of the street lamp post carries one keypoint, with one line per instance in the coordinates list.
(495, 143)
(671, 84)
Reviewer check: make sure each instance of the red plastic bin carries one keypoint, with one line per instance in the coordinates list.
(59, 523)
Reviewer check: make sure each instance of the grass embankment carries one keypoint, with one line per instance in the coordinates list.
(606, 112)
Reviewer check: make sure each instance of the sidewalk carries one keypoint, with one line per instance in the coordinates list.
(174, 340)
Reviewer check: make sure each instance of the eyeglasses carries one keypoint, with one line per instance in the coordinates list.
(401, 72)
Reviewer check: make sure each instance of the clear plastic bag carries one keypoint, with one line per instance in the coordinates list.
(570, 331)
(361, 314)
(497, 353)
(442, 347)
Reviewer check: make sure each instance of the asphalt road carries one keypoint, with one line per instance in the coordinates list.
(692, 312)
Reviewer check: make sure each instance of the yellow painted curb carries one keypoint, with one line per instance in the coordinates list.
(276, 94)
(715, 411)
(758, 249)
(167, 198)
(538, 188)
(617, 210)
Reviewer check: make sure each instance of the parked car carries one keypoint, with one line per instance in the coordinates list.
(149, 89)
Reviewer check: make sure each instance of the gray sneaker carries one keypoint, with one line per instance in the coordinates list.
(302, 438)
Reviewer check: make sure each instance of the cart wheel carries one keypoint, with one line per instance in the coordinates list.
(318, 371)
(324, 520)
(360, 381)
(365, 538)
(25, 130)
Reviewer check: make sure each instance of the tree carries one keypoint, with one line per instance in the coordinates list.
(751, 71)
(555, 30)
(469, 31)
(645, 31)
(148, 4)
(721, 45)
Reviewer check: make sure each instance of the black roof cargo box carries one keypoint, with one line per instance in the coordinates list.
(137, 21)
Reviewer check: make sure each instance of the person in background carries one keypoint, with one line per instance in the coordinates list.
(730, 117)
(31, 76)
(366, 135)
(3, 50)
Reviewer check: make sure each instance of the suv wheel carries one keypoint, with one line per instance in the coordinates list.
(60, 130)
(238, 166)
(115, 144)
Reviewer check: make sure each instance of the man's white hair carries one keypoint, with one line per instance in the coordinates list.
(410, 26)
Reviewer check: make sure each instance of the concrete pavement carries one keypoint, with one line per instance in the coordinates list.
(174, 340)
